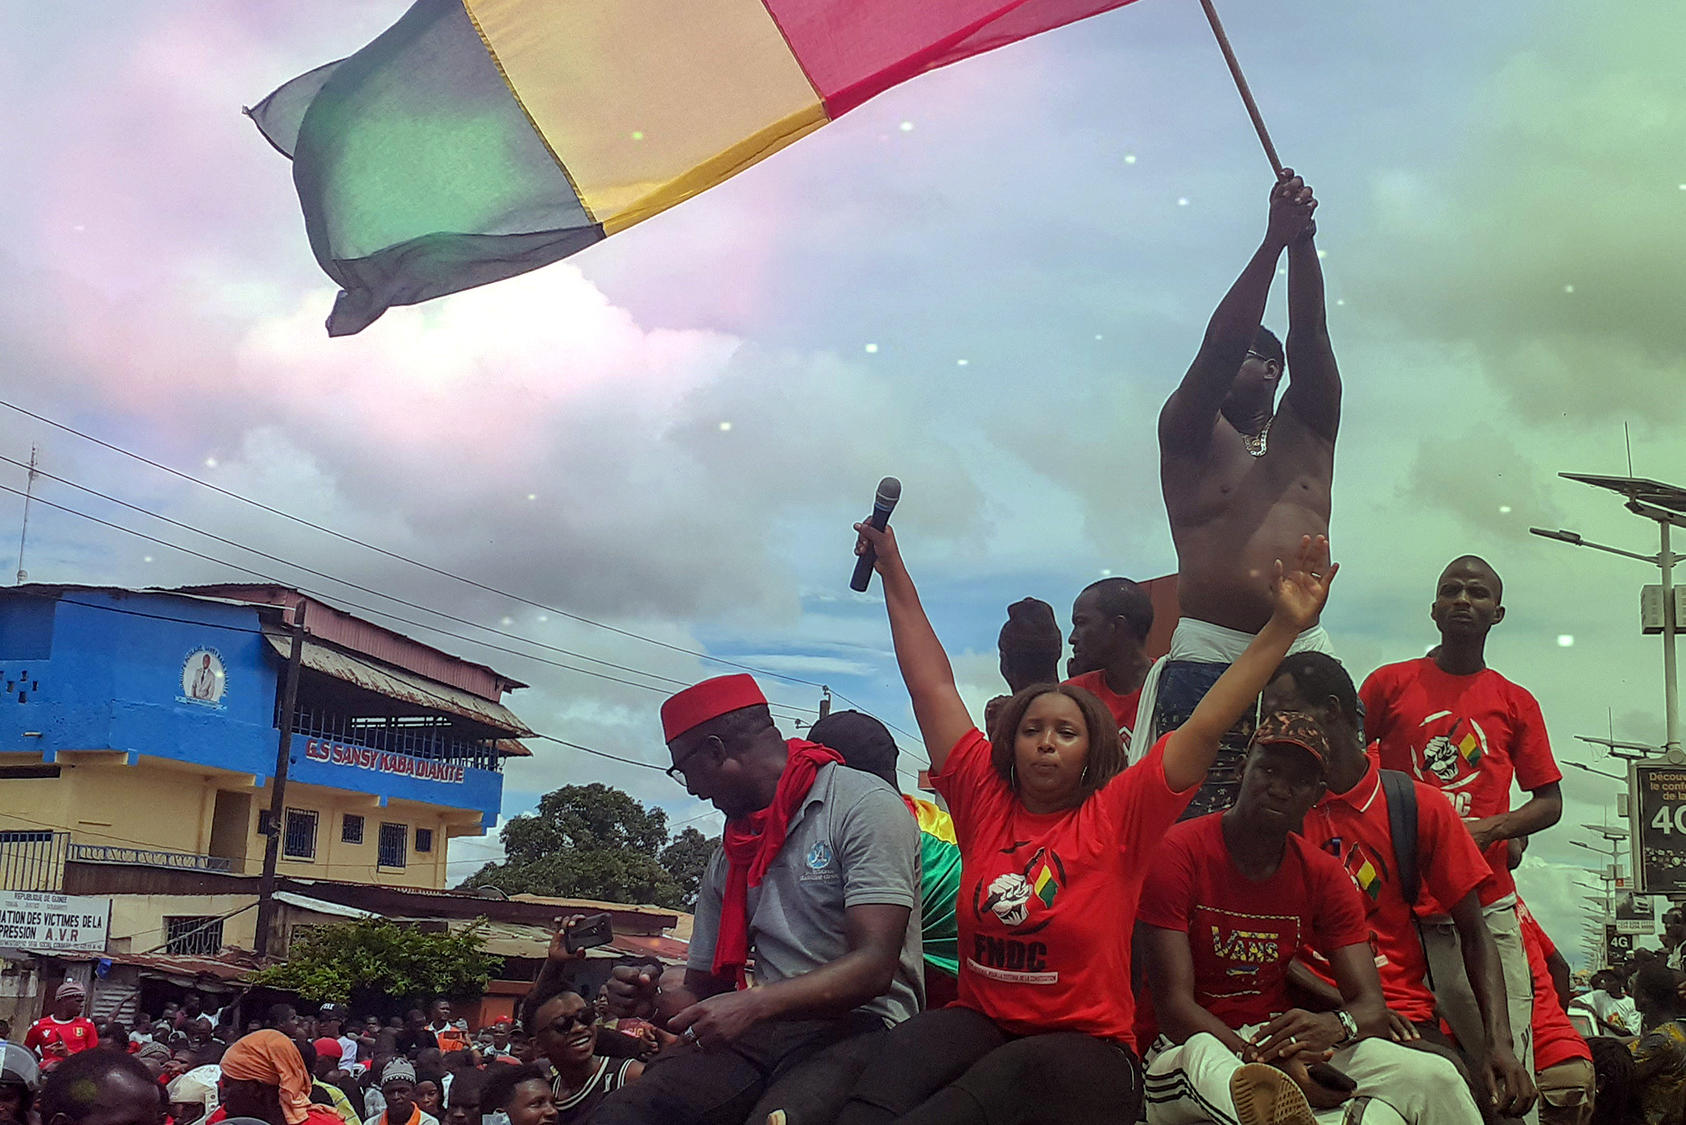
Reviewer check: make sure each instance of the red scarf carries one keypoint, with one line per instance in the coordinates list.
(751, 843)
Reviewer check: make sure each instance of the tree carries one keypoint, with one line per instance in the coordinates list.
(685, 859)
(585, 841)
(371, 960)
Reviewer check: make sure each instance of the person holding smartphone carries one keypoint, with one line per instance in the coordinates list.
(564, 1027)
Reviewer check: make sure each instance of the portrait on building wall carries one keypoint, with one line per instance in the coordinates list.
(203, 679)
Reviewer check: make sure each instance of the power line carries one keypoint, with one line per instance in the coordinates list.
(342, 581)
(411, 561)
(387, 614)
(488, 588)
(348, 655)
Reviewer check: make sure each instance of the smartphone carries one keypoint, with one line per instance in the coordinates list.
(1325, 1075)
(592, 931)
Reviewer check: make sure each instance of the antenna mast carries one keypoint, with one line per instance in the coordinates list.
(28, 494)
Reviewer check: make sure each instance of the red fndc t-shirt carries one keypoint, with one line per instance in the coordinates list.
(1555, 1038)
(1467, 736)
(1355, 828)
(1047, 901)
(47, 1034)
(1123, 707)
(1244, 933)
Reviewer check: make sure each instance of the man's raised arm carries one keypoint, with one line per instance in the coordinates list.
(1314, 382)
(1186, 420)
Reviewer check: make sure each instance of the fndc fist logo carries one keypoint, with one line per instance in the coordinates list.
(1009, 898)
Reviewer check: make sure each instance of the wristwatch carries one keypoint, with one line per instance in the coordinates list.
(1349, 1027)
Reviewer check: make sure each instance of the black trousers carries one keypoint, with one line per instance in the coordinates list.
(954, 1066)
(687, 1085)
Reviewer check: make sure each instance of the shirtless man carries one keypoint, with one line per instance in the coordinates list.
(1242, 479)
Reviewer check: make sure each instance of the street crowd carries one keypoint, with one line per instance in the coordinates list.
(1236, 884)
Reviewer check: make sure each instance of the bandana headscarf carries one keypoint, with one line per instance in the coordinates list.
(271, 1058)
(751, 843)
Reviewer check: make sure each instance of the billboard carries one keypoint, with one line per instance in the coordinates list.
(1619, 945)
(1658, 803)
(1635, 914)
(41, 920)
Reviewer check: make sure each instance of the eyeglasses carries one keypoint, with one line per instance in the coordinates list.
(1260, 355)
(677, 770)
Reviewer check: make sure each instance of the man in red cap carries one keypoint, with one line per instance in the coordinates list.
(64, 1031)
(817, 879)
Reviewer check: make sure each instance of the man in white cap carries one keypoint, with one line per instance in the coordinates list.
(398, 1087)
(64, 1031)
(817, 877)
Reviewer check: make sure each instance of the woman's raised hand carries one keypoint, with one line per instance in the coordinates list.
(1300, 591)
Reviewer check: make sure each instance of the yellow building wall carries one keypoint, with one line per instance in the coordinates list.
(98, 800)
(137, 921)
(158, 804)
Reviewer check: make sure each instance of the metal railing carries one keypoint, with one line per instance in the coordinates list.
(415, 736)
(33, 859)
(148, 857)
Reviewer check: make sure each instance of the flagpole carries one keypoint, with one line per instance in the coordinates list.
(1241, 85)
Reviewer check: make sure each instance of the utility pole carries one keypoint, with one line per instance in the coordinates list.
(272, 826)
(28, 495)
(825, 701)
(1664, 504)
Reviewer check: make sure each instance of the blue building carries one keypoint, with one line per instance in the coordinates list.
(139, 727)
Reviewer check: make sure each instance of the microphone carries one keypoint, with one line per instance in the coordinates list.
(889, 491)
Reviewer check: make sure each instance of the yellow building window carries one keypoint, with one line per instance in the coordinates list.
(393, 841)
(298, 837)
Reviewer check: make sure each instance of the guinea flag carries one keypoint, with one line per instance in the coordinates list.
(477, 139)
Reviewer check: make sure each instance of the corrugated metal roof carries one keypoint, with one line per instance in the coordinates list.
(512, 939)
(362, 635)
(399, 684)
(320, 906)
(228, 965)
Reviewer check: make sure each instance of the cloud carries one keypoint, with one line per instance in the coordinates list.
(1555, 246)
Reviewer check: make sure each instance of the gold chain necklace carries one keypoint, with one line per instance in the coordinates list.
(1255, 443)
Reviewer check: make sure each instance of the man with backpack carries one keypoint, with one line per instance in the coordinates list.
(1398, 839)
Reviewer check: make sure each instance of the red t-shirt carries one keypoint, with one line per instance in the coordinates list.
(1468, 736)
(1123, 707)
(1555, 1038)
(1244, 933)
(46, 1034)
(1355, 828)
(1047, 901)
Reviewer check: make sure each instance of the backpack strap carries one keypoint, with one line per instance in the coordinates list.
(1402, 819)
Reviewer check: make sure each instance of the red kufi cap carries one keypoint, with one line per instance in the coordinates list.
(709, 700)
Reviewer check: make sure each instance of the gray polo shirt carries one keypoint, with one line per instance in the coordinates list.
(852, 843)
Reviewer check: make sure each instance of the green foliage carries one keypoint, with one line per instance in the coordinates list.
(685, 859)
(376, 958)
(595, 841)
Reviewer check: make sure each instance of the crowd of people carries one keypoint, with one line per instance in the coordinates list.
(1236, 884)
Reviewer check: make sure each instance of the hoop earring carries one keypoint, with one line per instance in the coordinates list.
(1013, 775)
(1084, 780)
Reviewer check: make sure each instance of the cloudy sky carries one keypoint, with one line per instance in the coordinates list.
(984, 282)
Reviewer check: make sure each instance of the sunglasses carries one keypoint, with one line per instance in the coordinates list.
(565, 1024)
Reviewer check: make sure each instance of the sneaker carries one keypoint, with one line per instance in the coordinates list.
(1264, 1095)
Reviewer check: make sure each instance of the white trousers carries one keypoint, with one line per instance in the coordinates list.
(1455, 999)
(1189, 1085)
